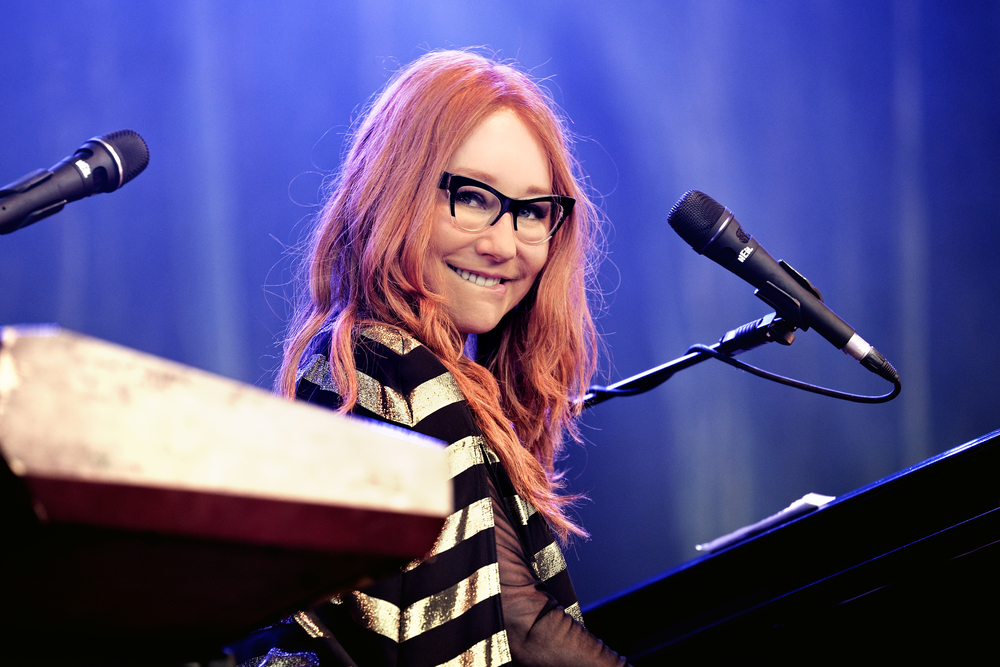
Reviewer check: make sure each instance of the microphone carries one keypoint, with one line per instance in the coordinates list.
(101, 164)
(712, 230)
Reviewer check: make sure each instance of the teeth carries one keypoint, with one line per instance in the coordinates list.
(482, 281)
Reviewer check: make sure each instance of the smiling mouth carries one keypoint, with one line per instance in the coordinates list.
(475, 278)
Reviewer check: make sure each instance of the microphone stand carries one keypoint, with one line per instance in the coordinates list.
(768, 329)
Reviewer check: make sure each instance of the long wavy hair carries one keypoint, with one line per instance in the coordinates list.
(365, 264)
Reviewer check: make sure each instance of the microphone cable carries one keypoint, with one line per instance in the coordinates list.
(768, 329)
(798, 384)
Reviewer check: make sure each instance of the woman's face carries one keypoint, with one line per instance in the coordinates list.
(505, 154)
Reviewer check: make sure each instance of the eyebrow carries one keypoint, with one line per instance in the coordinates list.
(487, 178)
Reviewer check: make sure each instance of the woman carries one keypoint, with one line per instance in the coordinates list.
(447, 294)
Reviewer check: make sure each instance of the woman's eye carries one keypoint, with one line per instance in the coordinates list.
(534, 213)
(471, 198)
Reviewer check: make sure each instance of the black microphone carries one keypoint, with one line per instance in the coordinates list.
(101, 164)
(712, 230)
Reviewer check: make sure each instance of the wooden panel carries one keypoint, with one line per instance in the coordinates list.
(153, 512)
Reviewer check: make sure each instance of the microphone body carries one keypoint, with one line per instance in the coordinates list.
(712, 230)
(101, 164)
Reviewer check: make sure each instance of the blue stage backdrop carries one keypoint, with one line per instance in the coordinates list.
(860, 141)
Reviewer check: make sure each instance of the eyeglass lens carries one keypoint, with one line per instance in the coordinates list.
(476, 209)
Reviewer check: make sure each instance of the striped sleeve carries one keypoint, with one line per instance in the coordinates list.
(444, 609)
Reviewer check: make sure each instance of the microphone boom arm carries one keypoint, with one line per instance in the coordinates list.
(768, 329)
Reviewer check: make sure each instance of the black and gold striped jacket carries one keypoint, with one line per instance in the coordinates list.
(445, 610)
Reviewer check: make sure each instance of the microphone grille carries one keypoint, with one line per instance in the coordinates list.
(132, 151)
(693, 217)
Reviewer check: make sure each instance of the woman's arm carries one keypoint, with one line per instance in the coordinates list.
(539, 631)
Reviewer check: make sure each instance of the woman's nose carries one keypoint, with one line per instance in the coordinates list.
(498, 239)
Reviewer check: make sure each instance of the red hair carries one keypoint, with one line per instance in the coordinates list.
(365, 265)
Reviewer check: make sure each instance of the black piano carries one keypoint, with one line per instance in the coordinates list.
(906, 568)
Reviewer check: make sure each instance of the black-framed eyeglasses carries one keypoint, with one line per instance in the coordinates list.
(476, 206)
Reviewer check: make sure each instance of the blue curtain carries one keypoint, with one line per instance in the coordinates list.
(859, 141)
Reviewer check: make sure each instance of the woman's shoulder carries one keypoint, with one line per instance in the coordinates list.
(392, 338)
(379, 351)
(398, 361)
(394, 368)
(399, 380)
